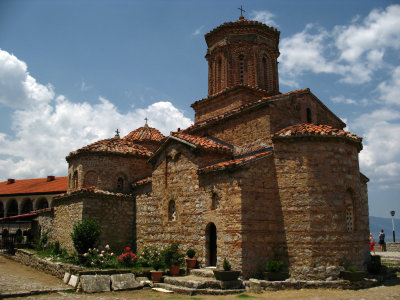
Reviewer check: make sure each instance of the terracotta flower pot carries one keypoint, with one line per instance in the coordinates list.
(191, 263)
(174, 270)
(156, 276)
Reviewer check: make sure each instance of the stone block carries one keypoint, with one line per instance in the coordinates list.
(67, 276)
(95, 283)
(255, 286)
(124, 282)
(73, 281)
(144, 281)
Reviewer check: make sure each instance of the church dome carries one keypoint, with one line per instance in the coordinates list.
(144, 134)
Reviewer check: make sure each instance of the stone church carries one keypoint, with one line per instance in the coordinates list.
(260, 175)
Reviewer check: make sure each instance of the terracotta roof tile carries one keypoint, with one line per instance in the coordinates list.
(243, 107)
(113, 145)
(144, 134)
(310, 129)
(30, 214)
(91, 190)
(202, 142)
(233, 163)
(240, 23)
(142, 181)
(34, 186)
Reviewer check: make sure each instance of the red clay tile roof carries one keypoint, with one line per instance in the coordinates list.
(142, 181)
(310, 129)
(144, 134)
(201, 142)
(244, 107)
(226, 91)
(240, 23)
(114, 145)
(34, 186)
(91, 190)
(30, 214)
(233, 163)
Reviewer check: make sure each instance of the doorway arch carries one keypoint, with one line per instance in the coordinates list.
(211, 244)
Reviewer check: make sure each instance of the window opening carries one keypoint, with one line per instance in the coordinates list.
(264, 66)
(214, 201)
(120, 184)
(241, 69)
(171, 211)
(309, 118)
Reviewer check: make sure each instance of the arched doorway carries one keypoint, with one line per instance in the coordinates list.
(12, 208)
(27, 207)
(42, 204)
(211, 244)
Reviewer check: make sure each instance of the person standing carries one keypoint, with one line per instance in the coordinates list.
(382, 240)
(372, 243)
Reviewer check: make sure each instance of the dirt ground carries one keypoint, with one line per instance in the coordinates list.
(16, 277)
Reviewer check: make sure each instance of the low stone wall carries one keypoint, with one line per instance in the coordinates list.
(54, 268)
(393, 247)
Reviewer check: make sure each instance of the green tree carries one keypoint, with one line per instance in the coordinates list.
(85, 235)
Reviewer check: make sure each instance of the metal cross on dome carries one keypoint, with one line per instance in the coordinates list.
(241, 11)
(117, 131)
(146, 120)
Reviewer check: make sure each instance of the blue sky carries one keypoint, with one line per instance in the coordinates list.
(72, 72)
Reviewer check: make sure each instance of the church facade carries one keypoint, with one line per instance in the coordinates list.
(260, 175)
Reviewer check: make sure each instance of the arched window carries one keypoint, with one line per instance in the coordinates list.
(12, 209)
(75, 179)
(214, 201)
(90, 179)
(42, 204)
(241, 69)
(120, 184)
(171, 211)
(27, 207)
(1, 209)
(309, 116)
(264, 72)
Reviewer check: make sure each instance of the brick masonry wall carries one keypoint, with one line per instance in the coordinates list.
(115, 216)
(313, 179)
(107, 169)
(67, 212)
(193, 199)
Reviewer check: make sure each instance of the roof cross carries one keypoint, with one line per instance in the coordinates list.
(117, 131)
(146, 120)
(241, 12)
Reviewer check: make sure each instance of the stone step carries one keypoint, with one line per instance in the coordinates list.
(192, 291)
(193, 282)
(390, 260)
(204, 272)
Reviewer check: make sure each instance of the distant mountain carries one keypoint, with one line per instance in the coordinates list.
(378, 223)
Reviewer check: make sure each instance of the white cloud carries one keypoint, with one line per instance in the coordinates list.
(17, 87)
(380, 158)
(342, 99)
(198, 30)
(353, 52)
(390, 90)
(264, 16)
(47, 127)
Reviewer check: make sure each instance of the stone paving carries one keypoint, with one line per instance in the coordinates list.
(18, 279)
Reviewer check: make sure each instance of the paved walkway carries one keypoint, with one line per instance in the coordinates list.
(18, 279)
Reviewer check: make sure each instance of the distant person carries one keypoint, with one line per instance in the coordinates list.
(382, 240)
(372, 243)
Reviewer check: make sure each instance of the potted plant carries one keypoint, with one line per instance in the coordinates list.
(156, 261)
(352, 274)
(190, 260)
(274, 271)
(173, 259)
(226, 274)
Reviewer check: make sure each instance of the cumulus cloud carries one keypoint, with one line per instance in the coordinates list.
(47, 127)
(342, 99)
(390, 89)
(352, 52)
(264, 16)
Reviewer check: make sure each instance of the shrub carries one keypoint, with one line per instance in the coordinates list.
(190, 253)
(127, 258)
(274, 266)
(226, 265)
(172, 256)
(85, 235)
(352, 269)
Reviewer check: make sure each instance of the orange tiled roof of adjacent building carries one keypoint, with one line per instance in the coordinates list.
(114, 145)
(202, 142)
(144, 134)
(34, 186)
(93, 191)
(234, 162)
(243, 107)
(307, 129)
